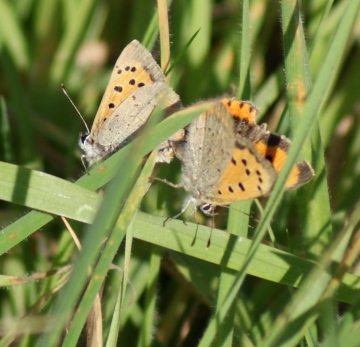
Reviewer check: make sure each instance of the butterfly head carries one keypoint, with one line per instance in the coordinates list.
(83, 139)
(207, 209)
(93, 151)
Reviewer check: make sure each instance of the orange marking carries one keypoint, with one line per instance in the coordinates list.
(124, 80)
(242, 110)
(12, 236)
(278, 160)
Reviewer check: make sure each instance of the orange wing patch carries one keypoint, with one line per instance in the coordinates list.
(123, 82)
(248, 176)
(241, 110)
(274, 148)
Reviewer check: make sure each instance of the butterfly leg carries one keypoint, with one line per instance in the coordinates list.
(163, 180)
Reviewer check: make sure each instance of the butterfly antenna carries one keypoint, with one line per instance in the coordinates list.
(72, 103)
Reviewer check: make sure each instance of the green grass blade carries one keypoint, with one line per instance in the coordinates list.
(238, 214)
(107, 216)
(149, 321)
(231, 252)
(46, 193)
(107, 256)
(302, 311)
(313, 216)
(78, 15)
(241, 47)
(12, 36)
(5, 133)
(98, 177)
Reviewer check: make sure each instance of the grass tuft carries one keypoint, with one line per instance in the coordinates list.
(282, 272)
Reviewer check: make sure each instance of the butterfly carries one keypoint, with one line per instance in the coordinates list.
(226, 157)
(136, 86)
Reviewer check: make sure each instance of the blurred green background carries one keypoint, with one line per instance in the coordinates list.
(45, 43)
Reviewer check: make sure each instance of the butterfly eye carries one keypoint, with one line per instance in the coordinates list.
(83, 138)
(207, 209)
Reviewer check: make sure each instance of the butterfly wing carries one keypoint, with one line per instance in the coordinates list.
(133, 113)
(134, 69)
(136, 85)
(204, 151)
(244, 114)
(274, 148)
(247, 176)
(271, 146)
(241, 110)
